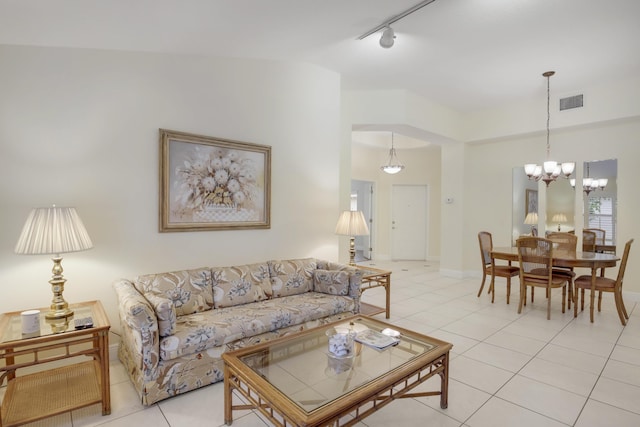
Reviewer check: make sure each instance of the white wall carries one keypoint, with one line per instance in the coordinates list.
(80, 128)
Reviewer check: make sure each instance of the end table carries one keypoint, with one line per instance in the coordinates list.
(373, 278)
(56, 390)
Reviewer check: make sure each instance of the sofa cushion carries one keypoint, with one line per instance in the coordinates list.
(201, 331)
(189, 290)
(331, 282)
(240, 284)
(291, 277)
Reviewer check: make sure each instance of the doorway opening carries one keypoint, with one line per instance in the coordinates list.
(362, 200)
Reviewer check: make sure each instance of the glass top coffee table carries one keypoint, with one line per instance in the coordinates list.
(295, 381)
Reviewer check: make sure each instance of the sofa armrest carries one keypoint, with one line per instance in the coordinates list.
(139, 329)
(355, 278)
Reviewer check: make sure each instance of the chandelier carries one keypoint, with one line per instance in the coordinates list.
(550, 170)
(393, 165)
(590, 184)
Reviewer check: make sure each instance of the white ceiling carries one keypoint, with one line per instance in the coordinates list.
(464, 54)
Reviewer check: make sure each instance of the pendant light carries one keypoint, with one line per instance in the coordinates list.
(393, 166)
(550, 170)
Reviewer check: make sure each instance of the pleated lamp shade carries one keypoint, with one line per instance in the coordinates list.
(352, 223)
(53, 230)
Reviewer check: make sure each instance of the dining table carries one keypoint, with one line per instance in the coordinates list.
(571, 259)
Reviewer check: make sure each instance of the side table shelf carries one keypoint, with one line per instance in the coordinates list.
(47, 393)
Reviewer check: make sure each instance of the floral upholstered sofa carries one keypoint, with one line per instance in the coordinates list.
(176, 325)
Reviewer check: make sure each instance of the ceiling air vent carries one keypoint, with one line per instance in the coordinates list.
(571, 102)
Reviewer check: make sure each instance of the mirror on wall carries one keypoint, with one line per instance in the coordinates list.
(525, 200)
(560, 210)
(601, 200)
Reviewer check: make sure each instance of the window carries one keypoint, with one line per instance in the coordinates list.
(601, 215)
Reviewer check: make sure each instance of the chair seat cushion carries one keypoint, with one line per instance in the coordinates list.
(604, 283)
(564, 273)
(504, 270)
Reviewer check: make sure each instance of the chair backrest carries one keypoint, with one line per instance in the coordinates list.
(588, 241)
(563, 241)
(623, 263)
(486, 245)
(534, 254)
(600, 235)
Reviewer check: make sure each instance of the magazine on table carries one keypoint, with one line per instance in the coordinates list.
(376, 339)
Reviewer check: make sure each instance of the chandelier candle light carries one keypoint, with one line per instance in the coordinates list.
(54, 231)
(550, 170)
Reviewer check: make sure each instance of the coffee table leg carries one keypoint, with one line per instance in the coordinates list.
(228, 416)
(444, 383)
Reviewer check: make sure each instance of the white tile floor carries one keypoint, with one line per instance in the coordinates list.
(506, 369)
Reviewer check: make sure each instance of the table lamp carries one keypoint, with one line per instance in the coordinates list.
(559, 218)
(532, 220)
(54, 231)
(352, 223)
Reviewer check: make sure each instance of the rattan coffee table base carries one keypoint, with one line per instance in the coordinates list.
(43, 394)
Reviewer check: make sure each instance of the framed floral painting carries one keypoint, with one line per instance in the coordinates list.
(211, 183)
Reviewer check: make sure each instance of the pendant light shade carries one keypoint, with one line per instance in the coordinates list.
(393, 166)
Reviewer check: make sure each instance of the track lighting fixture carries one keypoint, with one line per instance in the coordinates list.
(387, 39)
(388, 35)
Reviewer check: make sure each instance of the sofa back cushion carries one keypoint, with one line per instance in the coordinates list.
(291, 277)
(190, 291)
(239, 285)
(333, 282)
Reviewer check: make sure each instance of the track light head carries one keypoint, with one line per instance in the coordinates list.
(388, 37)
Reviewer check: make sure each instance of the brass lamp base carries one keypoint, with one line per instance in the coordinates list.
(352, 250)
(59, 309)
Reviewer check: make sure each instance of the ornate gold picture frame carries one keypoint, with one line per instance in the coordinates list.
(209, 183)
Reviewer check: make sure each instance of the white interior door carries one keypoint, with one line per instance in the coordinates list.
(409, 222)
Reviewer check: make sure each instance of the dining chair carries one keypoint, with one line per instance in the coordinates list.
(489, 267)
(604, 284)
(565, 242)
(588, 241)
(600, 235)
(536, 270)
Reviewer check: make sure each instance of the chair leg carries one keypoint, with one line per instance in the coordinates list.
(523, 298)
(532, 289)
(549, 305)
(492, 288)
(581, 299)
(570, 297)
(508, 288)
(575, 303)
(600, 301)
(564, 296)
(620, 307)
(624, 309)
(484, 277)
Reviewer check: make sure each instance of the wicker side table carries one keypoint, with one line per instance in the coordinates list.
(374, 278)
(56, 390)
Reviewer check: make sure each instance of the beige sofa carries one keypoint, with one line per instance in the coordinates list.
(175, 326)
